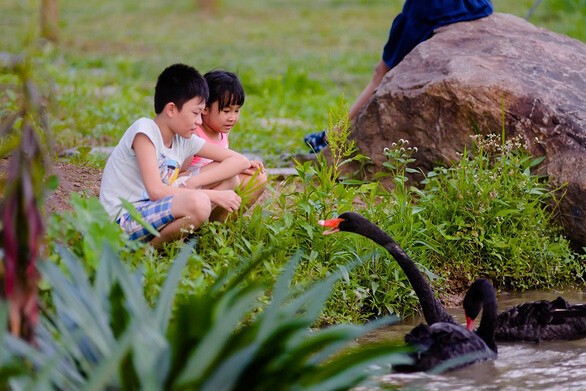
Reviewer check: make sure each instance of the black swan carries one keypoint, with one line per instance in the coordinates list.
(433, 310)
(542, 320)
(534, 321)
(446, 346)
(441, 339)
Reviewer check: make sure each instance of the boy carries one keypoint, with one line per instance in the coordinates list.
(150, 155)
(222, 112)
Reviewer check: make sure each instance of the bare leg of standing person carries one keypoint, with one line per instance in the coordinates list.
(318, 141)
(380, 71)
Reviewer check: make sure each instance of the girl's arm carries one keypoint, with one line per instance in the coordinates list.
(255, 165)
(231, 164)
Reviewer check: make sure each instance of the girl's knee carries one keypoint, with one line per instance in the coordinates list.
(257, 181)
(233, 182)
(262, 178)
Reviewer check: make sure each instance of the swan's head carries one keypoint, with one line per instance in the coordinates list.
(479, 292)
(347, 221)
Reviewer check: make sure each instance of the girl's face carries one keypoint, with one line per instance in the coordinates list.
(223, 120)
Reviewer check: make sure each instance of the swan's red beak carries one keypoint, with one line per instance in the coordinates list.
(470, 324)
(333, 223)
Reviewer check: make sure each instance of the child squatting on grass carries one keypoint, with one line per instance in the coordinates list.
(152, 153)
(221, 114)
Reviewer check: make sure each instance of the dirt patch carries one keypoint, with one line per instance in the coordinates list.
(72, 178)
(86, 180)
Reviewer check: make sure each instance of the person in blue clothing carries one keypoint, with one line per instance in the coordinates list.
(416, 23)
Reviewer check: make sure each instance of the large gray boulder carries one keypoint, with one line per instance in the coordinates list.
(465, 77)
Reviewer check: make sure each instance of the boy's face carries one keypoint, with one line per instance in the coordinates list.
(221, 121)
(186, 120)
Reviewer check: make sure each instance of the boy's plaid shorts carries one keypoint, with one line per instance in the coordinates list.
(157, 213)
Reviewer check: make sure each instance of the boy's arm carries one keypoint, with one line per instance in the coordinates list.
(144, 150)
(231, 164)
(156, 189)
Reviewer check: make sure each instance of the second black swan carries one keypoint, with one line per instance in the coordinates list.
(446, 346)
(542, 320)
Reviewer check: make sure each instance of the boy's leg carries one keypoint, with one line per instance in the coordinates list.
(191, 209)
(173, 216)
(156, 213)
(380, 71)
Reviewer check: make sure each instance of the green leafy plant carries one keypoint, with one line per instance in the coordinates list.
(103, 334)
(493, 216)
(86, 228)
(10, 366)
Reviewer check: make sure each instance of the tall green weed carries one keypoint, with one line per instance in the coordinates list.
(491, 215)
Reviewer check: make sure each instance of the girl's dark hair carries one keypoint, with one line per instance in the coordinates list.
(225, 88)
(179, 83)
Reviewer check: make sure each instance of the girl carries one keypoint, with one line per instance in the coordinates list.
(220, 115)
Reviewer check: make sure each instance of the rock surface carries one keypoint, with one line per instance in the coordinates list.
(470, 76)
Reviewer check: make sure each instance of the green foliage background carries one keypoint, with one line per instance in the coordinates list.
(295, 58)
(298, 61)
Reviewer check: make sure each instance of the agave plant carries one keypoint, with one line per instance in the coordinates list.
(102, 334)
(277, 349)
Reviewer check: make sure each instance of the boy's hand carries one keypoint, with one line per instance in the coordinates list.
(225, 199)
(255, 166)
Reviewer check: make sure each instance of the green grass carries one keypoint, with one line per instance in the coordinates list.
(485, 216)
(296, 58)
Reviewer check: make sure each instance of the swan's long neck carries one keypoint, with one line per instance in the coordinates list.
(433, 310)
(489, 320)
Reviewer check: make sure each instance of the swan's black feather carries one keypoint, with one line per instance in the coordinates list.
(542, 320)
(447, 344)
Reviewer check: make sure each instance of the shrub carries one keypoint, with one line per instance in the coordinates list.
(491, 216)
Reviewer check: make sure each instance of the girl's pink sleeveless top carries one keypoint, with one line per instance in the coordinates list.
(198, 162)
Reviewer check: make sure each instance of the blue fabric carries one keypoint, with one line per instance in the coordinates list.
(420, 18)
(157, 213)
(316, 141)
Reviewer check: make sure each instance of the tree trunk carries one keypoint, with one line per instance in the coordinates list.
(206, 5)
(49, 20)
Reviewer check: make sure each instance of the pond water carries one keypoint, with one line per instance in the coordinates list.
(556, 365)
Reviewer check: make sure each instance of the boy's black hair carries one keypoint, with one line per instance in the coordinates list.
(225, 88)
(179, 83)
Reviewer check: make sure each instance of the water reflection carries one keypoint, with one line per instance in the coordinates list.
(559, 365)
